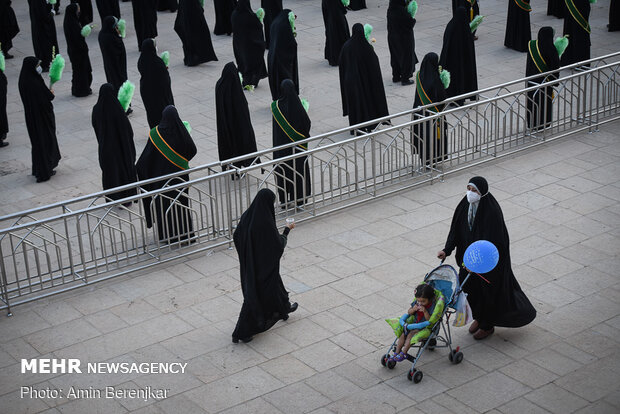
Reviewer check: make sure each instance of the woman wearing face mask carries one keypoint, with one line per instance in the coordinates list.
(500, 301)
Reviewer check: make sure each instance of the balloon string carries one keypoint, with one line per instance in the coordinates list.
(482, 277)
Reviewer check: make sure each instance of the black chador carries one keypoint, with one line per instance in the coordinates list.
(223, 11)
(542, 57)
(472, 8)
(191, 26)
(272, 8)
(401, 41)
(336, 29)
(577, 27)
(4, 121)
(86, 11)
(518, 32)
(614, 16)
(155, 85)
(113, 52)
(430, 136)
(8, 27)
(171, 5)
(361, 84)
(235, 134)
(248, 43)
(282, 56)
(145, 19)
(43, 32)
(458, 56)
(77, 49)
(260, 247)
(40, 119)
(500, 302)
(357, 4)
(555, 8)
(108, 8)
(291, 124)
(117, 152)
(168, 150)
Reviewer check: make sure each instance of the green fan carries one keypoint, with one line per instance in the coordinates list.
(122, 27)
(367, 31)
(561, 43)
(86, 30)
(58, 64)
(260, 13)
(346, 3)
(444, 75)
(2, 61)
(187, 126)
(305, 104)
(412, 8)
(125, 93)
(475, 23)
(291, 20)
(165, 56)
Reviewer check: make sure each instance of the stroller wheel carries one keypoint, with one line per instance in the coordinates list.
(458, 357)
(432, 343)
(391, 363)
(383, 360)
(415, 376)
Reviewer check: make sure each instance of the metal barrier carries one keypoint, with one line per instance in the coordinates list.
(65, 245)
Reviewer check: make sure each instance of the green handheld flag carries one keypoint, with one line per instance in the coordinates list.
(305, 104)
(52, 2)
(412, 8)
(125, 93)
(86, 31)
(475, 23)
(561, 43)
(444, 75)
(165, 56)
(58, 64)
(260, 13)
(291, 20)
(346, 3)
(2, 61)
(122, 27)
(187, 126)
(367, 31)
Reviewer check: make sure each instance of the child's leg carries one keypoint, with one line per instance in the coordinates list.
(399, 343)
(407, 344)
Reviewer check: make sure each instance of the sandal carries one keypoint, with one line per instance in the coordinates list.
(399, 357)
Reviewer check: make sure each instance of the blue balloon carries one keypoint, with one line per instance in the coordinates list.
(481, 256)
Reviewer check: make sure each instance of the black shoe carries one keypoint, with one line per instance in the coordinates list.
(407, 82)
(293, 307)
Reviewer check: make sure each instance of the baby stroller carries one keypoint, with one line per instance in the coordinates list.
(446, 280)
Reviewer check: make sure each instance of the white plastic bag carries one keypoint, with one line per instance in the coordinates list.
(463, 315)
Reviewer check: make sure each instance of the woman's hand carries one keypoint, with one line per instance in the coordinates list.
(441, 255)
(291, 225)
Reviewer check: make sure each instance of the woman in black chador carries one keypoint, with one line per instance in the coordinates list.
(235, 134)
(518, 32)
(291, 124)
(282, 56)
(108, 8)
(85, 12)
(357, 4)
(336, 29)
(8, 27)
(500, 301)
(248, 43)
(4, 121)
(117, 152)
(555, 8)
(145, 19)
(458, 56)
(155, 86)
(223, 11)
(542, 57)
(40, 119)
(577, 27)
(191, 26)
(614, 16)
(260, 247)
(171, 5)
(168, 150)
(81, 71)
(361, 84)
(43, 29)
(401, 42)
(272, 8)
(430, 90)
(113, 53)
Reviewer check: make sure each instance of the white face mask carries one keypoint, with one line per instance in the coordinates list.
(39, 70)
(472, 197)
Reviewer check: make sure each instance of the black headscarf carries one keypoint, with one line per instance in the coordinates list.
(518, 31)
(117, 152)
(235, 134)
(260, 247)
(282, 56)
(579, 39)
(500, 302)
(155, 85)
(113, 53)
(108, 8)
(272, 8)
(145, 19)
(400, 40)
(40, 119)
(171, 5)
(8, 25)
(223, 11)
(43, 29)
(547, 50)
(336, 29)
(361, 83)
(248, 43)
(86, 11)
(191, 26)
(458, 55)
(77, 49)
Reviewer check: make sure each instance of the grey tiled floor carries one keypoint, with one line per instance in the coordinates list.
(561, 203)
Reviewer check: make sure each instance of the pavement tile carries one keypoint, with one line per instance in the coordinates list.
(296, 398)
(323, 355)
(556, 400)
(489, 391)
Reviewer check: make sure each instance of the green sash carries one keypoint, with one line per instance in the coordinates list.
(288, 129)
(166, 150)
(577, 16)
(523, 5)
(536, 56)
(422, 93)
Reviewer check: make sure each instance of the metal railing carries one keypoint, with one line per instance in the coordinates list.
(65, 245)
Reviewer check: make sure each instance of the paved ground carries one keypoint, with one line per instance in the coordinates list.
(348, 271)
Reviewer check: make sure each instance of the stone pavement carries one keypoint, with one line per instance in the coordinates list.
(349, 271)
